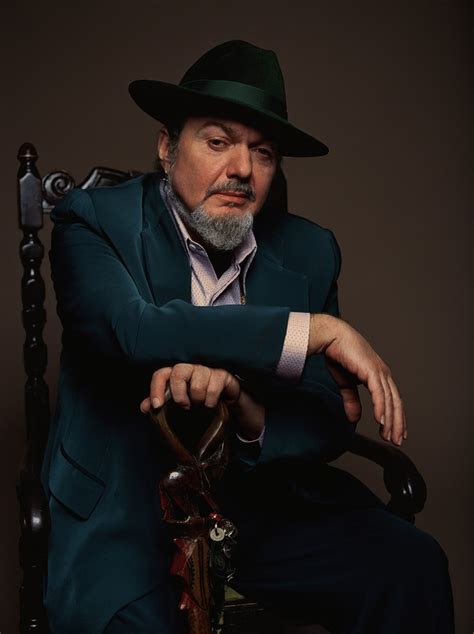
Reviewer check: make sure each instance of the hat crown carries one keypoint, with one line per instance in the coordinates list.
(238, 80)
(242, 62)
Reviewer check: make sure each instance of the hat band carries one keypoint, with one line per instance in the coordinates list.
(236, 91)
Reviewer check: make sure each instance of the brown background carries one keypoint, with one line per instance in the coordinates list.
(385, 84)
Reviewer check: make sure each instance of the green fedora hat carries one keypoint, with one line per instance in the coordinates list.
(235, 79)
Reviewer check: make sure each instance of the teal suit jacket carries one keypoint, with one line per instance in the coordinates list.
(123, 287)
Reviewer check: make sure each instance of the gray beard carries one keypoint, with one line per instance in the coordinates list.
(223, 233)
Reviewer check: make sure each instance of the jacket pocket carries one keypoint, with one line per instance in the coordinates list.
(73, 486)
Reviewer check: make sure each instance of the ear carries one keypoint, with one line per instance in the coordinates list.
(163, 148)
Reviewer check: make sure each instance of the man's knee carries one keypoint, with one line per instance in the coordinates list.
(413, 554)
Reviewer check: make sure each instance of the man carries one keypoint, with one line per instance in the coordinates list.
(187, 278)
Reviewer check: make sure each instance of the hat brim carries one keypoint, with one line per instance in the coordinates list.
(164, 101)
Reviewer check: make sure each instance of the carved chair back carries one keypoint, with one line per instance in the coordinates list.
(36, 198)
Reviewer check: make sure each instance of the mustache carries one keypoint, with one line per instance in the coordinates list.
(232, 186)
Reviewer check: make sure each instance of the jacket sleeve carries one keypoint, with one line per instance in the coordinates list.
(306, 421)
(102, 310)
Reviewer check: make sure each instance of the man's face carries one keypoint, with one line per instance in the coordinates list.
(223, 166)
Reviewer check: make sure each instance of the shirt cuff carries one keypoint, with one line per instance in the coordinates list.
(246, 440)
(295, 347)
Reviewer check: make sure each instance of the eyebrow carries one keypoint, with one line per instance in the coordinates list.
(226, 128)
(232, 132)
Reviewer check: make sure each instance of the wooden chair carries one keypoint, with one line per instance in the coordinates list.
(36, 198)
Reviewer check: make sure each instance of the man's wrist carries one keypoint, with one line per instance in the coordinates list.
(257, 439)
(249, 417)
(323, 331)
(249, 436)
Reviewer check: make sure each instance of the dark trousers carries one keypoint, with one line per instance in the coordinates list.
(354, 571)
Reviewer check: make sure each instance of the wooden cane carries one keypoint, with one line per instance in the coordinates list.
(184, 491)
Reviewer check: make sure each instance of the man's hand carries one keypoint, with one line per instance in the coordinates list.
(352, 360)
(199, 384)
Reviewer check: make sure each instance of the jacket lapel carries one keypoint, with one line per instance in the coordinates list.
(269, 283)
(166, 262)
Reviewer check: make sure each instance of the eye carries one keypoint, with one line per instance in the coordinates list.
(217, 144)
(265, 153)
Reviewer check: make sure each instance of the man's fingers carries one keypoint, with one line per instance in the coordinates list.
(347, 383)
(377, 393)
(399, 422)
(199, 382)
(352, 404)
(388, 407)
(394, 422)
(222, 384)
(231, 388)
(215, 387)
(158, 383)
(179, 378)
(145, 405)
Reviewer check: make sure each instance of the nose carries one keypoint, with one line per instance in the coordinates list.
(240, 162)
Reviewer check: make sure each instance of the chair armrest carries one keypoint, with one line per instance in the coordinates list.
(401, 477)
